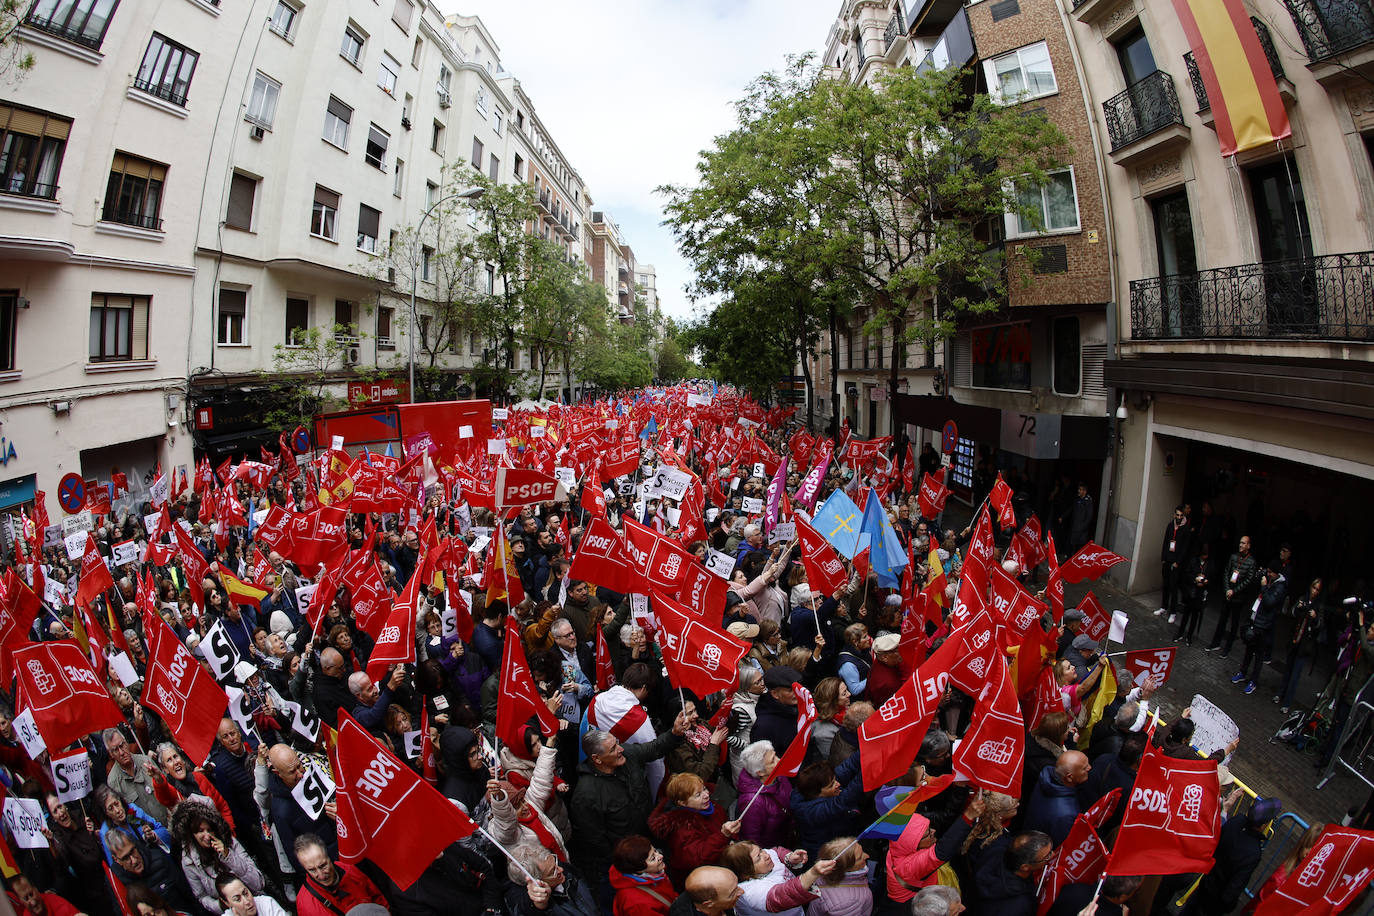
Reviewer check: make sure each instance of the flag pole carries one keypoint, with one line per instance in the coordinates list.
(495, 842)
(874, 824)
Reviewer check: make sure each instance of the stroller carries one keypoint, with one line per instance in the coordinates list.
(1307, 730)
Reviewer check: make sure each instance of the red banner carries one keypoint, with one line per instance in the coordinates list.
(1172, 819)
(181, 691)
(994, 748)
(1000, 498)
(931, 497)
(1328, 879)
(1078, 860)
(519, 699)
(601, 558)
(67, 697)
(1143, 663)
(825, 571)
(789, 764)
(699, 657)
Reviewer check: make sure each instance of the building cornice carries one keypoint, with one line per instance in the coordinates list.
(39, 249)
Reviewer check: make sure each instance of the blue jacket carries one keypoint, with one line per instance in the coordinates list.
(818, 820)
(489, 644)
(1053, 807)
(233, 777)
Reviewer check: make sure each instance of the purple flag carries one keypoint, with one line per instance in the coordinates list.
(811, 486)
(775, 488)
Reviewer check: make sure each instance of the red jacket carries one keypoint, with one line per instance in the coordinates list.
(354, 888)
(692, 838)
(633, 897)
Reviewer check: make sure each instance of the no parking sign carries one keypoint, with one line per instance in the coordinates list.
(71, 493)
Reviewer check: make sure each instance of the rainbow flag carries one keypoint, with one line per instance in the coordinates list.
(1241, 88)
(898, 804)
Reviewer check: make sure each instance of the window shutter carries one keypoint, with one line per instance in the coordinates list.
(369, 220)
(340, 110)
(326, 197)
(241, 192)
(140, 329)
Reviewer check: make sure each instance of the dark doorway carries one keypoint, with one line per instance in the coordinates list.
(1137, 60)
(1177, 266)
(1285, 243)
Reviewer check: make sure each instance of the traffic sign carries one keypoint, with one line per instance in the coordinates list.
(300, 440)
(949, 437)
(71, 493)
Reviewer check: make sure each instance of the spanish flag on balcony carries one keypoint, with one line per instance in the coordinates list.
(1245, 97)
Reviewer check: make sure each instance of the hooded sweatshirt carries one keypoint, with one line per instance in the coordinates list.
(638, 895)
(461, 782)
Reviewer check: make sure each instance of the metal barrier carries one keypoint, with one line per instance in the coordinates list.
(1284, 834)
(1354, 749)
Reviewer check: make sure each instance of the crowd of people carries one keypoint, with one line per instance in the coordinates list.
(646, 799)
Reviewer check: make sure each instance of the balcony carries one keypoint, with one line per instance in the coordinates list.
(544, 201)
(1330, 28)
(130, 218)
(1330, 297)
(174, 92)
(62, 22)
(22, 187)
(896, 28)
(1145, 119)
(1271, 54)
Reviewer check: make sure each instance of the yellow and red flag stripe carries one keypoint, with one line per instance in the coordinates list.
(1242, 90)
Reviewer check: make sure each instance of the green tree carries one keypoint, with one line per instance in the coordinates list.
(15, 59)
(559, 303)
(502, 242)
(674, 358)
(877, 196)
(298, 385)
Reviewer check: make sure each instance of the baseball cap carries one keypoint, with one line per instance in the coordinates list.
(888, 642)
(1085, 643)
(743, 630)
(781, 676)
(1074, 614)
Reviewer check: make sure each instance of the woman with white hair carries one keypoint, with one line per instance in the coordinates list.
(768, 818)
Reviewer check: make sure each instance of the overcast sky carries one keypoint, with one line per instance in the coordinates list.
(631, 90)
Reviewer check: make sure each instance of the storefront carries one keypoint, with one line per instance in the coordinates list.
(15, 494)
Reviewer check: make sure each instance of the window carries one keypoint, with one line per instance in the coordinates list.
(476, 153)
(519, 167)
(377, 141)
(166, 70)
(32, 144)
(520, 120)
(388, 73)
(384, 319)
(1051, 207)
(474, 347)
(119, 327)
(1068, 370)
(491, 280)
(352, 48)
(424, 330)
(400, 172)
(297, 320)
(133, 195)
(426, 262)
(1022, 74)
(369, 224)
(402, 13)
(415, 52)
(496, 121)
(431, 193)
(262, 104)
(82, 21)
(243, 190)
(343, 318)
(445, 77)
(436, 140)
(233, 314)
(324, 214)
(494, 168)
(480, 100)
(9, 305)
(283, 20)
(337, 118)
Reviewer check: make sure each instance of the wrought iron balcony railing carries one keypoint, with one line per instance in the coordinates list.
(168, 92)
(1332, 27)
(131, 218)
(1326, 297)
(1145, 107)
(1271, 54)
(896, 27)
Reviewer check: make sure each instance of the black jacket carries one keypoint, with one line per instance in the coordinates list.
(774, 722)
(607, 807)
(331, 694)
(997, 889)
(1182, 538)
(290, 821)
(1238, 852)
(233, 777)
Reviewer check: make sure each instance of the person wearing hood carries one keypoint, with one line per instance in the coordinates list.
(289, 820)
(914, 858)
(1054, 801)
(776, 713)
(639, 879)
(694, 829)
(1006, 873)
(465, 668)
(464, 767)
(208, 850)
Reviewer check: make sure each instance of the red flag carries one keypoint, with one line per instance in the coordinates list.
(931, 497)
(1026, 549)
(1096, 621)
(1103, 808)
(1078, 860)
(1012, 604)
(193, 563)
(370, 597)
(181, 691)
(663, 562)
(120, 482)
(1172, 820)
(1089, 563)
(121, 894)
(698, 656)
(605, 671)
(1000, 498)
(982, 549)
(1328, 879)
(994, 747)
(429, 767)
(501, 576)
(789, 764)
(601, 559)
(387, 799)
(1055, 588)
(67, 697)
(893, 734)
(519, 699)
(95, 575)
(396, 641)
(1143, 663)
(1048, 697)
(825, 571)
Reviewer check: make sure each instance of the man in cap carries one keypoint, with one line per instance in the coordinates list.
(888, 673)
(1073, 627)
(1082, 654)
(776, 715)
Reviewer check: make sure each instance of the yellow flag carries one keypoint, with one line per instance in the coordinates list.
(1106, 692)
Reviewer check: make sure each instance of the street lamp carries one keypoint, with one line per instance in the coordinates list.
(472, 193)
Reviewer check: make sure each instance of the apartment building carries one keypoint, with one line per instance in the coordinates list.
(1245, 285)
(1025, 385)
(227, 178)
(612, 265)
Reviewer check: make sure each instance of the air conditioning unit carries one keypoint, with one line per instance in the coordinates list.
(405, 123)
(353, 356)
(444, 98)
(256, 132)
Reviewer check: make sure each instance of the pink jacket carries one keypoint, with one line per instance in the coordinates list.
(906, 860)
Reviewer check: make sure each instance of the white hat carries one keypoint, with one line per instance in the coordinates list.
(243, 671)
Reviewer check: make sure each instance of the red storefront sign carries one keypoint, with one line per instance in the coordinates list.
(386, 391)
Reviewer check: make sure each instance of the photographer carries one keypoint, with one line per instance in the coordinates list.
(1259, 633)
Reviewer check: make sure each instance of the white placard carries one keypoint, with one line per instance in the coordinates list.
(465, 432)
(412, 744)
(480, 543)
(720, 564)
(24, 818)
(160, 490)
(612, 424)
(746, 422)
(72, 776)
(626, 487)
(639, 605)
(1215, 729)
(54, 595)
(759, 470)
(336, 443)
(52, 536)
(752, 505)
(150, 522)
(81, 521)
(496, 446)
(303, 721)
(240, 709)
(783, 532)
(219, 650)
(123, 669)
(500, 413)
(28, 734)
(669, 482)
(1117, 631)
(566, 476)
(674, 516)
(314, 791)
(638, 511)
(125, 552)
(538, 432)
(734, 483)
(76, 545)
(259, 517)
(304, 595)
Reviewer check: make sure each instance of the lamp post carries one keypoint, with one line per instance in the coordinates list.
(472, 193)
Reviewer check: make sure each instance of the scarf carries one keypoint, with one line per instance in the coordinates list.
(531, 819)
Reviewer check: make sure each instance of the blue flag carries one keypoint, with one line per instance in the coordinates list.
(389, 452)
(886, 555)
(650, 428)
(837, 519)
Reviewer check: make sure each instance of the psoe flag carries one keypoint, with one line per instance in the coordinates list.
(838, 520)
(1240, 86)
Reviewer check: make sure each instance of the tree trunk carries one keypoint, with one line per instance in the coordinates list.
(805, 364)
(834, 374)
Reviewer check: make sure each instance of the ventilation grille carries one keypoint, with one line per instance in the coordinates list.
(1004, 10)
(961, 356)
(1052, 259)
(1094, 355)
